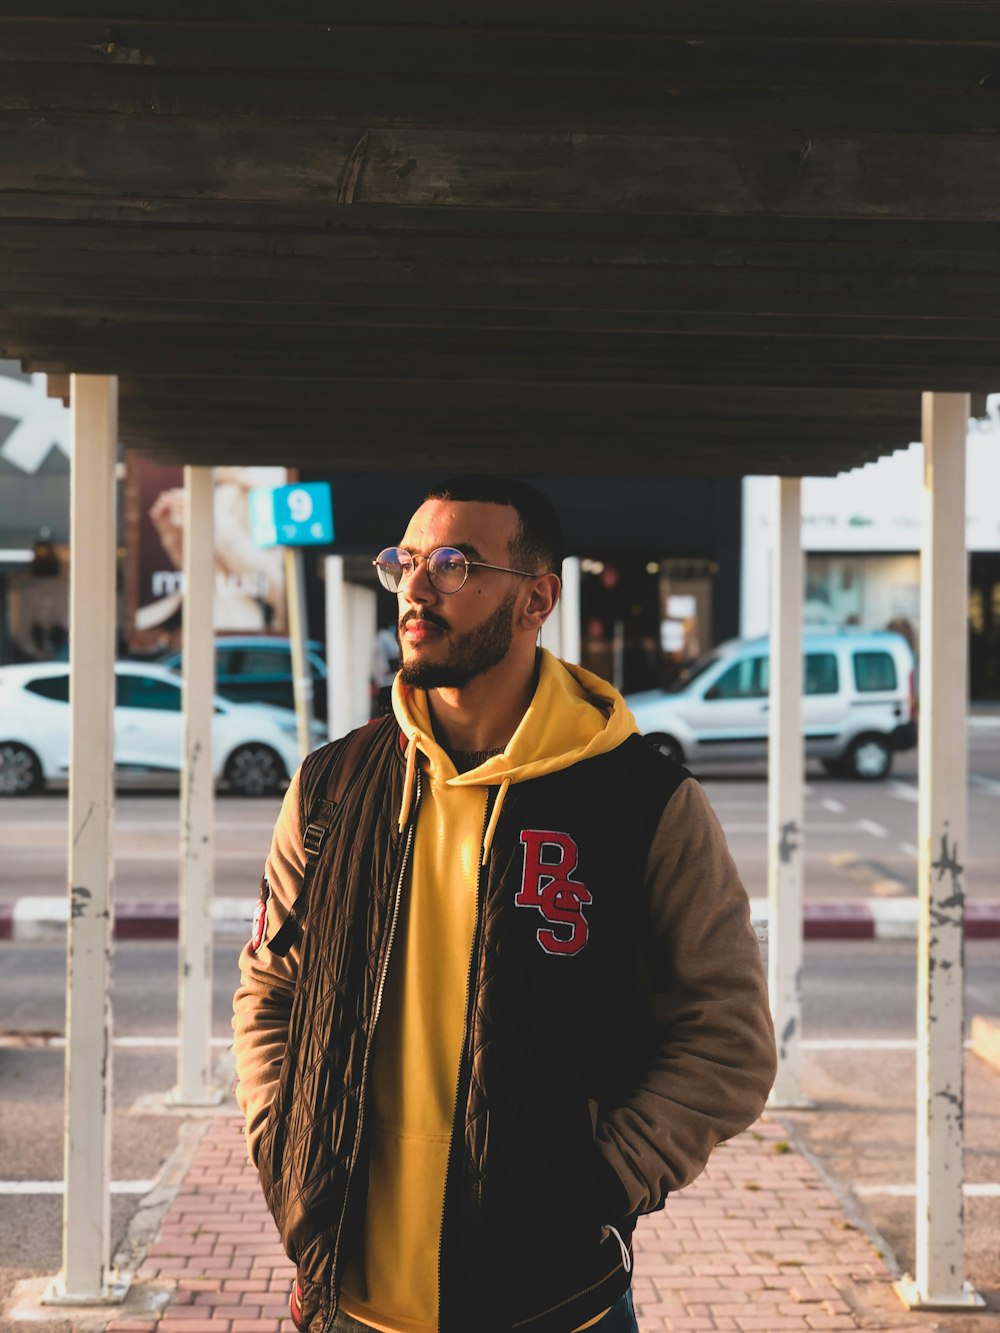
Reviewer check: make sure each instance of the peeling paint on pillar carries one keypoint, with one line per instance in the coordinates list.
(787, 848)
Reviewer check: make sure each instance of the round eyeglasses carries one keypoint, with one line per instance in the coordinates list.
(447, 567)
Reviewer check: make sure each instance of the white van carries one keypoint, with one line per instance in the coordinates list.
(858, 707)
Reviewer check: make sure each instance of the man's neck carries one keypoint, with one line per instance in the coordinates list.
(484, 714)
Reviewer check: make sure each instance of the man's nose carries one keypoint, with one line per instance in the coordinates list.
(415, 585)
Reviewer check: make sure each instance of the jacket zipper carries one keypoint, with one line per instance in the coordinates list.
(523, 1323)
(368, 1045)
(465, 1041)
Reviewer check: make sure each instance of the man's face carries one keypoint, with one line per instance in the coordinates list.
(448, 639)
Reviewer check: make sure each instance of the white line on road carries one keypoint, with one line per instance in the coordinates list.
(902, 791)
(859, 1044)
(29, 1041)
(834, 807)
(909, 849)
(876, 830)
(864, 1044)
(857, 826)
(988, 785)
(988, 1190)
(59, 1186)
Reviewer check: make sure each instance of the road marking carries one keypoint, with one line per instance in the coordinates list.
(59, 1186)
(859, 1044)
(46, 1041)
(834, 807)
(902, 791)
(857, 826)
(988, 785)
(988, 1190)
(864, 1044)
(909, 849)
(738, 805)
(876, 830)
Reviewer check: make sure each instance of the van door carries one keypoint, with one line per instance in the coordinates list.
(729, 717)
(825, 710)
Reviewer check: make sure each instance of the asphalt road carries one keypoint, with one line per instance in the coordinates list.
(860, 838)
(859, 842)
(862, 1127)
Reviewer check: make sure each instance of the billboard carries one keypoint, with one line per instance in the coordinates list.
(249, 580)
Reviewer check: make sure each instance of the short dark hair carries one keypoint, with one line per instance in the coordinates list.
(538, 543)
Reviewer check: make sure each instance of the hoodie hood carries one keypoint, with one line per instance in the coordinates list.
(573, 715)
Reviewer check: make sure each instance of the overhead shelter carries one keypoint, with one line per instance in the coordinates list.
(698, 238)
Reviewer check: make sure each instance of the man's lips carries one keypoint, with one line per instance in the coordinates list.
(419, 630)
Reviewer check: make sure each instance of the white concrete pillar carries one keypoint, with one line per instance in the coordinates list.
(362, 620)
(941, 839)
(569, 610)
(786, 761)
(302, 683)
(338, 649)
(85, 1276)
(197, 853)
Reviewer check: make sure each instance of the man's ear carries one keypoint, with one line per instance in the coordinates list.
(541, 603)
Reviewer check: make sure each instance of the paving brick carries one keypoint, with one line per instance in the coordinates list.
(722, 1258)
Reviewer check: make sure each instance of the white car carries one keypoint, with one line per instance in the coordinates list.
(254, 746)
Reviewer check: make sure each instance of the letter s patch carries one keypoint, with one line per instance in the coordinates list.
(549, 860)
(259, 927)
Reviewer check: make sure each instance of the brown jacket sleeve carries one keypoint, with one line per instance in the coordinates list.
(715, 1058)
(262, 1005)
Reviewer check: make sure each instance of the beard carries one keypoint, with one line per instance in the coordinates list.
(472, 653)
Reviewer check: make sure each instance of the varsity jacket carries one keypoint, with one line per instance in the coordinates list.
(615, 1028)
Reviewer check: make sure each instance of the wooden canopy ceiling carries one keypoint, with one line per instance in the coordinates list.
(705, 237)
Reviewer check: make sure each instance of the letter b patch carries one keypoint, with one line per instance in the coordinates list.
(549, 861)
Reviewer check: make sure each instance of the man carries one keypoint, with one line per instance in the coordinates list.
(503, 994)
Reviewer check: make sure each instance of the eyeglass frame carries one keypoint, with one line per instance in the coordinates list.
(446, 592)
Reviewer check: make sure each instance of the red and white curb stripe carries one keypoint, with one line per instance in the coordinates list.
(44, 918)
(878, 918)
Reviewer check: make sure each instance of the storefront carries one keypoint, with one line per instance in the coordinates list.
(34, 519)
(861, 533)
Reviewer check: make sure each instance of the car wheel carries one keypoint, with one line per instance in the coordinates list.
(20, 771)
(868, 758)
(666, 745)
(255, 770)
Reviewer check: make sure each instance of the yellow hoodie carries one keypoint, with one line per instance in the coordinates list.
(392, 1281)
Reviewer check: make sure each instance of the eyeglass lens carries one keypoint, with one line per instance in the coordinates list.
(447, 568)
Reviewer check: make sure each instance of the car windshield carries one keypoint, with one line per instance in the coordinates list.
(690, 674)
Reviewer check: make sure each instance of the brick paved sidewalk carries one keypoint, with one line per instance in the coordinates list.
(758, 1243)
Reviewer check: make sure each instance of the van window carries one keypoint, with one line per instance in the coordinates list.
(874, 671)
(821, 675)
(745, 679)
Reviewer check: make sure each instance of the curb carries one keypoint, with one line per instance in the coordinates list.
(37, 920)
(878, 918)
(43, 919)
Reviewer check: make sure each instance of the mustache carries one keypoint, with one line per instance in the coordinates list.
(428, 617)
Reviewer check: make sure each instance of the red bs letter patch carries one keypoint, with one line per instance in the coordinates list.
(260, 918)
(549, 861)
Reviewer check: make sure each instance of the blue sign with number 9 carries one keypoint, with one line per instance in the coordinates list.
(299, 515)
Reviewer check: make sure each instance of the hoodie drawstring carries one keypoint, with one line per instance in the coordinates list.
(491, 827)
(408, 781)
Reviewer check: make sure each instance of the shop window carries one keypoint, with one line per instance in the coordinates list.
(51, 687)
(821, 675)
(874, 671)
